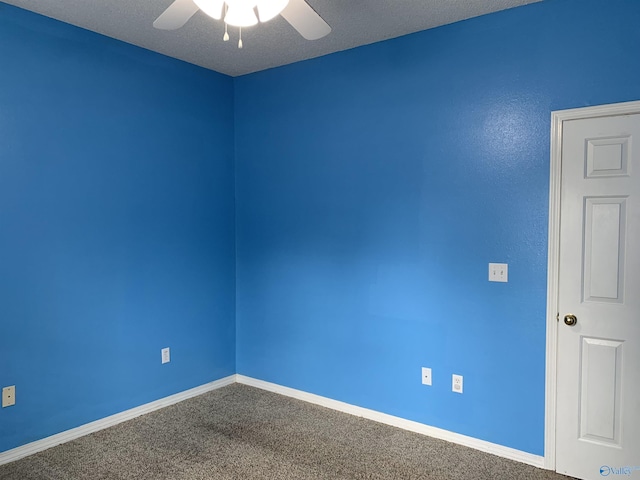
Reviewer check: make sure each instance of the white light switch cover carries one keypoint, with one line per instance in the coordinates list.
(498, 272)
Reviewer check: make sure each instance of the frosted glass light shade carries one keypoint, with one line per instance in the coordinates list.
(213, 8)
(240, 13)
(267, 9)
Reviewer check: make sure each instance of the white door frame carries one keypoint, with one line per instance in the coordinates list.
(553, 267)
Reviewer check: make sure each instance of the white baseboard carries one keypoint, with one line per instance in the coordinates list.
(63, 437)
(482, 445)
(67, 436)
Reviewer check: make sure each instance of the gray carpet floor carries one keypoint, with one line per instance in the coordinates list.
(240, 432)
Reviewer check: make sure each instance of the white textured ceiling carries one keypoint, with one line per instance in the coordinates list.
(353, 23)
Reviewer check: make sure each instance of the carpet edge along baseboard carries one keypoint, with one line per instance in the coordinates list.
(421, 428)
(471, 442)
(106, 422)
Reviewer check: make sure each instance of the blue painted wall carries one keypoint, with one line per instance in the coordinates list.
(375, 185)
(116, 226)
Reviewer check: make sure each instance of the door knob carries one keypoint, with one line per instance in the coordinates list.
(570, 320)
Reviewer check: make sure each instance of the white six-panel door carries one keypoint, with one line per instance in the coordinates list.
(598, 358)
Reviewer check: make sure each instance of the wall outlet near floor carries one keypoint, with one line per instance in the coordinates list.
(426, 376)
(456, 383)
(8, 396)
(166, 355)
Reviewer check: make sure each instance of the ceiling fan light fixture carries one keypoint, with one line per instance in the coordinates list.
(213, 8)
(268, 9)
(240, 13)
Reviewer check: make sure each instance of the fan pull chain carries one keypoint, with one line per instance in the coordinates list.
(240, 41)
(225, 38)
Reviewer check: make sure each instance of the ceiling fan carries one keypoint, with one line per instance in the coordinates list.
(242, 13)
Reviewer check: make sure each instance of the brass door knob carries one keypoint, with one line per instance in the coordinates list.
(570, 320)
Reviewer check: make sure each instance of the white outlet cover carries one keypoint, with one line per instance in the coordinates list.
(498, 272)
(456, 383)
(426, 376)
(166, 355)
(8, 396)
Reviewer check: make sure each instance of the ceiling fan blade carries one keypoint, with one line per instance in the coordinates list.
(174, 17)
(305, 20)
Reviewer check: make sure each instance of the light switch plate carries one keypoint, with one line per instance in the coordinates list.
(9, 396)
(498, 272)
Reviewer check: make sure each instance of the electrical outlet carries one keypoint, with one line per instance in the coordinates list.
(426, 376)
(166, 355)
(8, 396)
(498, 272)
(456, 383)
